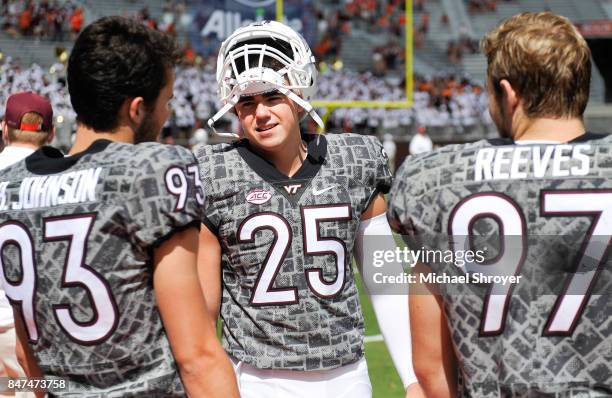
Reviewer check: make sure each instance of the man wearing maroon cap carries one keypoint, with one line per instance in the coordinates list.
(27, 125)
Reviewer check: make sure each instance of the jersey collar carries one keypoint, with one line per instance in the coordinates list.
(49, 160)
(588, 136)
(317, 151)
(299, 182)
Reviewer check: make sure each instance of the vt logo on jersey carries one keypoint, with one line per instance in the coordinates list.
(258, 196)
(292, 189)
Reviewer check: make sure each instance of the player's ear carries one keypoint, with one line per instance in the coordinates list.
(510, 97)
(300, 111)
(136, 110)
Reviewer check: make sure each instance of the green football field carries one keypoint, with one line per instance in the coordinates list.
(385, 380)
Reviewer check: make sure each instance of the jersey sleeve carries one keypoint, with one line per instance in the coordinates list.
(211, 216)
(406, 210)
(167, 196)
(381, 178)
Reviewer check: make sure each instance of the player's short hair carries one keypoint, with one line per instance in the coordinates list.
(545, 59)
(113, 59)
(38, 138)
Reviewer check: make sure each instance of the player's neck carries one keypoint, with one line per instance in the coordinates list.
(86, 136)
(290, 166)
(290, 157)
(544, 129)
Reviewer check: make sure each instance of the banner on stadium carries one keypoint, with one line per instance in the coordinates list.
(602, 28)
(598, 35)
(215, 20)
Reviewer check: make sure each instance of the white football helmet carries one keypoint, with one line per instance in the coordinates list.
(262, 57)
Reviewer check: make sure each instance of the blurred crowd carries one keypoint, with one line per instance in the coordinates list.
(50, 83)
(438, 100)
(174, 17)
(58, 20)
(379, 17)
(477, 6)
(482, 6)
(386, 19)
(42, 19)
(61, 19)
(457, 48)
(373, 15)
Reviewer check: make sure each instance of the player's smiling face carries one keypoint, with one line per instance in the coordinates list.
(270, 121)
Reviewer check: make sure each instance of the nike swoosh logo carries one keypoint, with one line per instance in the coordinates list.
(315, 192)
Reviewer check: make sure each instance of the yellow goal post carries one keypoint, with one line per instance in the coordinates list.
(330, 106)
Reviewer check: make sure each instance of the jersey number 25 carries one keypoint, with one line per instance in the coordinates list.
(314, 245)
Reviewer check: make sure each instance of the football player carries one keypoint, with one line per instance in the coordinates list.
(284, 213)
(543, 197)
(99, 248)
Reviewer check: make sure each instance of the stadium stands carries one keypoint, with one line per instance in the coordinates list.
(370, 47)
(475, 65)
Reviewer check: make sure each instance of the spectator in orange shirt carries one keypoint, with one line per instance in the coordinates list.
(76, 21)
(188, 54)
(25, 21)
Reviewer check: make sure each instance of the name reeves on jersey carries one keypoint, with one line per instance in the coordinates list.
(52, 190)
(523, 161)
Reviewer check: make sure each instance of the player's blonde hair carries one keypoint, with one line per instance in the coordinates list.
(38, 138)
(545, 59)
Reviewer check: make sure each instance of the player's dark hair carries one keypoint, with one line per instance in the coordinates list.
(113, 59)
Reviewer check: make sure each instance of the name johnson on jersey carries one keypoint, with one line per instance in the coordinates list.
(59, 189)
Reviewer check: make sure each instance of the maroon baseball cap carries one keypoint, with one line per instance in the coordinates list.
(19, 104)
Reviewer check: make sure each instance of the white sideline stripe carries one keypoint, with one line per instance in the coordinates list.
(370, 339)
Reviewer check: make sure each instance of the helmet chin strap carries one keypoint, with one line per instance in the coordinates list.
(226, 108)
(304, 104)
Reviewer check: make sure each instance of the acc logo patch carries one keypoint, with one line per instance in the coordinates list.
(258, 196)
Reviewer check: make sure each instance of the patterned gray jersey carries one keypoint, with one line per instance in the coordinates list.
(550, 335)
(289, 297)
(76, 239)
